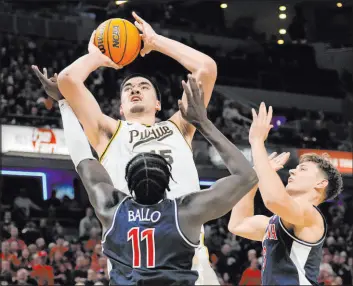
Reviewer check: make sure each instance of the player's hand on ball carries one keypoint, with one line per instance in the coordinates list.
(278, 162)
(261, 124)
(195, 111)
(103, 60)
(148, 35)
(49, 84)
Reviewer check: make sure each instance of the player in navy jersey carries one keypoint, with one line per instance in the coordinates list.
(292, 238)
(149, 239)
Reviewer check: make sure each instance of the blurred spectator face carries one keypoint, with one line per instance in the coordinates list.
(5, 266)
(51, 245)
(343, 257)
(60, 241)
(138, 96)
(34, 111)
(330, 240)
(89, 212)
(14, 246)
(40, 242)
(251, 254)
(337, 281)
(32, 248)
(80, 261)
(305, 177)
(336, 259)
(226, 249)
(14, 232)
(25, 253)
(327, 258)
(9, 90)
(350, 262)
(5, 247)
(7, 216)
(98, 249)
(62, 268)
(43, 222)
(91, 275)
(22, 276)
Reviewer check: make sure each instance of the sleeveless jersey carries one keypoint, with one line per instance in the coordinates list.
(163, 138)
(288, 260)
(145, 246)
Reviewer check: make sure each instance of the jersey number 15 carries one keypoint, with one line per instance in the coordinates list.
(148, 235)
(166, 154)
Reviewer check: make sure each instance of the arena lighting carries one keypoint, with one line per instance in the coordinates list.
(206, 183)
(120, 2)
(339, 4)
(280, 42)
(282, 8)
(30, 174)
(224, 5)
(282, 31)
(282, 16)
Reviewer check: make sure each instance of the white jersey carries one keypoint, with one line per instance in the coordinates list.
(163, 138)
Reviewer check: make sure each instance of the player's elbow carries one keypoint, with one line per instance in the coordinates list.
(66, 79)
(209, 68)
(250, 178)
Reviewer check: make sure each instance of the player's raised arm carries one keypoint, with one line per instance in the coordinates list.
(71, 85)
(95, 178)
(202, 67)
(272, 190)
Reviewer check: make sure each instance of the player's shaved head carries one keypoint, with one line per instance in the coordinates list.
(148, 177)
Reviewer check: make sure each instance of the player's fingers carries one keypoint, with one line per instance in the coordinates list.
(269, 115)
(193, 85)
(187, 92)
(254, 115)
(137, 17)
(181, 108)
(285, 157)
(273, 155)
(39, 74)
(45, 72)
(139, 26)
(202, 94)
(91, 40)
(262, 112)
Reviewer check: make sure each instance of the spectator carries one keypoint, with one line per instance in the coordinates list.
(42, 272)
(87, 223)
(23, 204)
(252, 274)
(22, 278)
(14, 237)
(93, 239)
(53, 202)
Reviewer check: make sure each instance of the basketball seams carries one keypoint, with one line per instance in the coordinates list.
(110, 55)
(122, 57)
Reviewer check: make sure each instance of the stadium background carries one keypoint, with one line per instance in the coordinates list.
(294, 55)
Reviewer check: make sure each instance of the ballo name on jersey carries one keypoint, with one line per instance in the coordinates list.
(144, 215)
(271, 232)
(139, 137)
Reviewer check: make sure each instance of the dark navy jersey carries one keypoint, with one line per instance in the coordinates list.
(145, 246)
(288, 260)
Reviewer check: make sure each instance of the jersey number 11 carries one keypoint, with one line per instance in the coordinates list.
(148, 235)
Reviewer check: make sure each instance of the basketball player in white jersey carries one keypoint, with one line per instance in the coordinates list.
(117, 141)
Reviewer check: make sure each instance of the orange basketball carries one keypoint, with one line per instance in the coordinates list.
(118, 39)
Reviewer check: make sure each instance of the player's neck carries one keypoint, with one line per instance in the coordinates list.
(313, 197)
(145, 119)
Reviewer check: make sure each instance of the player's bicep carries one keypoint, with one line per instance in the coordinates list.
(292, 211)
(253, 227)
(84, 106)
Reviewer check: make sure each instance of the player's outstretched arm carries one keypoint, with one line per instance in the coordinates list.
(242, 221)
(272, 190)
(71, 85)
(202, 67)
(101, 192)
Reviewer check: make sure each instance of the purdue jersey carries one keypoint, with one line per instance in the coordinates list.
(287, 260)
(145, 246)
(163, 138)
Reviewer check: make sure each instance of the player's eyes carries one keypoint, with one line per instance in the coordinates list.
(145, 87)
(127, 88)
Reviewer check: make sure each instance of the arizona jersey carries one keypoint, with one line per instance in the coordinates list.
(145, 246)
(163, 138)
(288, 260)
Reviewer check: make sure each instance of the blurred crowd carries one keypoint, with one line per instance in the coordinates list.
(38, 248)
(24, 102)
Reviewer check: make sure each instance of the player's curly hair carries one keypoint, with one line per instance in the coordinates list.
(335, 182)
(148, 176)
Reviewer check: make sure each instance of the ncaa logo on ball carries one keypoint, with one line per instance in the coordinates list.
(116, 37)
(100, 42)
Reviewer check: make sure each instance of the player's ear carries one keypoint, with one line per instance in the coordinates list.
(121, 110)
(322, 184)
(158, 105)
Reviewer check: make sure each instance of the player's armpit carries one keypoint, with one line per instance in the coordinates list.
(207, 76)
(87, 111)
(253, 227)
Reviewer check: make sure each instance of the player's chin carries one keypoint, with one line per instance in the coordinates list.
(137, 108)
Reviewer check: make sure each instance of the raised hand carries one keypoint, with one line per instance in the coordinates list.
(49, 84)
(195, 112)
(148, 35)
(102, 59)
(261, 124)
(278, 162)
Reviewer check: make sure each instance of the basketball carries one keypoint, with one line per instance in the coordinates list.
(118, 39)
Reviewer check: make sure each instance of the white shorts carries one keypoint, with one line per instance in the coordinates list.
(201, 264)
